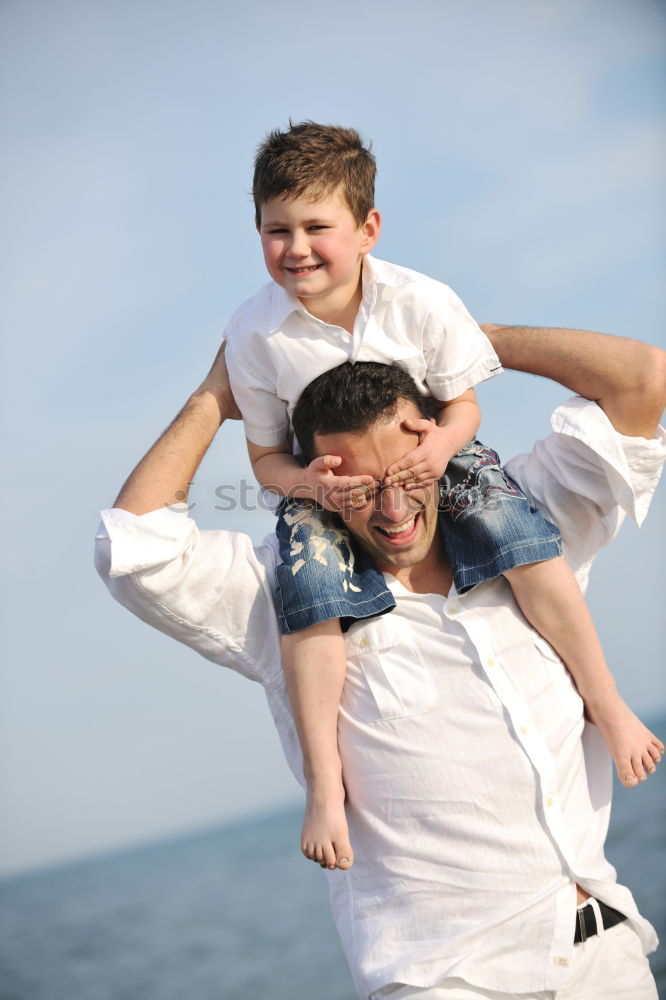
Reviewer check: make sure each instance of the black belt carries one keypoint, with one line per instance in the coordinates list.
(586, 920)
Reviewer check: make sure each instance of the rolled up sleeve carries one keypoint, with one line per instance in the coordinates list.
(586, 477)
(210, 590)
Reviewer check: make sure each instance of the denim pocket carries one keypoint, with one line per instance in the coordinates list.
(565, 689)
(387, 678)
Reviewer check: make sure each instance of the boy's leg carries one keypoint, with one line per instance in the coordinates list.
(552, 602)
(322, 577)
(490, 528)
(314, 667)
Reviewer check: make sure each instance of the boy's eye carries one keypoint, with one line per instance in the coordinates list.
(318, 226)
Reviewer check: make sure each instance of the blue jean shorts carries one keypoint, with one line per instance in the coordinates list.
(488, 524)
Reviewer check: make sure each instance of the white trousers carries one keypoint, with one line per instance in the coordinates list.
(608, 966)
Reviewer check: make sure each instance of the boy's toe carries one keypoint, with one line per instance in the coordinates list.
(637, 766)
(329, 858)
(345, 856)
(625, 772)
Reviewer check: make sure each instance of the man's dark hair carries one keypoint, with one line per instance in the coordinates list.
(315, 160)
(353, 398)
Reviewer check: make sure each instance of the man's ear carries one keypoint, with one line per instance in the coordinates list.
(371, 229)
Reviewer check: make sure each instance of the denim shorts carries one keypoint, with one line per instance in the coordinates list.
(488, 524)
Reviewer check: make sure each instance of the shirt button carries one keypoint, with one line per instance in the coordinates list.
(453, 610)
(549, 802)
(490, 662)
(365, 642)
(523, 729)
(561, 960)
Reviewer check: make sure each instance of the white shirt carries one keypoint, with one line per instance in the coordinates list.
(477, 795)
(275, 347)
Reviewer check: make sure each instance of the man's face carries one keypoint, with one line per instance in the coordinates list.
(397, 527)
(313, 249)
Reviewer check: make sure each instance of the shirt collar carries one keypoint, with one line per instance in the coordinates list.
(373, 272)
(282, 305)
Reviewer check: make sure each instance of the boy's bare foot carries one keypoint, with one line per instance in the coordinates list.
(325, 835)
(634, 749)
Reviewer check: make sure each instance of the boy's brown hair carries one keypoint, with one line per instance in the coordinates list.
(317, 159)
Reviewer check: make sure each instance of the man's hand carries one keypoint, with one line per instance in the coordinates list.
(334, 493)
(427, 462)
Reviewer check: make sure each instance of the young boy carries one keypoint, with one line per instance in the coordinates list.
(329, 302)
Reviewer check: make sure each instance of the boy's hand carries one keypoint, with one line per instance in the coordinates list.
(335, 493)
(427, 462)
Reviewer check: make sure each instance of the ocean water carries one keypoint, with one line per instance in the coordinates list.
(233, 914)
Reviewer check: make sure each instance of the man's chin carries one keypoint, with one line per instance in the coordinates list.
(397, 556)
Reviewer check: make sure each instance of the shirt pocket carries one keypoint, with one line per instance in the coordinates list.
(387, 677)
(565, 689)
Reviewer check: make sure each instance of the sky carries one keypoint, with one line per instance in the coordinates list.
(522, 160)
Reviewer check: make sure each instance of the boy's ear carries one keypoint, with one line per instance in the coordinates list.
(371, 229)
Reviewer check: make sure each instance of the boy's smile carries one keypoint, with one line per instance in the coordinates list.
(313, 249)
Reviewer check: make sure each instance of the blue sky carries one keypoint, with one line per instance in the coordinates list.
(522, 155)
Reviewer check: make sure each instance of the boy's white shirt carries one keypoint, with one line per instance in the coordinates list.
(275, 347)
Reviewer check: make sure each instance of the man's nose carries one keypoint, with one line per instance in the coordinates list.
(396, 504)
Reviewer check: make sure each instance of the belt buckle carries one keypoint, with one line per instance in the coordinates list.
(581, 924)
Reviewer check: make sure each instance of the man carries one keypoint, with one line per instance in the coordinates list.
(477, 798)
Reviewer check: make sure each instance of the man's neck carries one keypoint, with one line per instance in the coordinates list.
(431, 576)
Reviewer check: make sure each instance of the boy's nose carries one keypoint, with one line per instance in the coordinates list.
(299, 245)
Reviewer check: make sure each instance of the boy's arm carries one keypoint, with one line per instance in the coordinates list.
(625, 377)
(278, 470)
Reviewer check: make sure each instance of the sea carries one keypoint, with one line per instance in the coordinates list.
(234, 913)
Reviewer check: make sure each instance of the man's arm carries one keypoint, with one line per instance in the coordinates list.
(210, 590)
(625, 377)
(164, 475)
(585, 476)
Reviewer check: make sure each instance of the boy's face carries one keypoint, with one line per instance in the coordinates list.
(313, 249)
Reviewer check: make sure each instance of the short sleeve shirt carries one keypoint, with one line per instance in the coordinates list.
(275, 347)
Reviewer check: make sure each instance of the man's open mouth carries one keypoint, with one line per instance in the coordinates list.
(401, 532)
